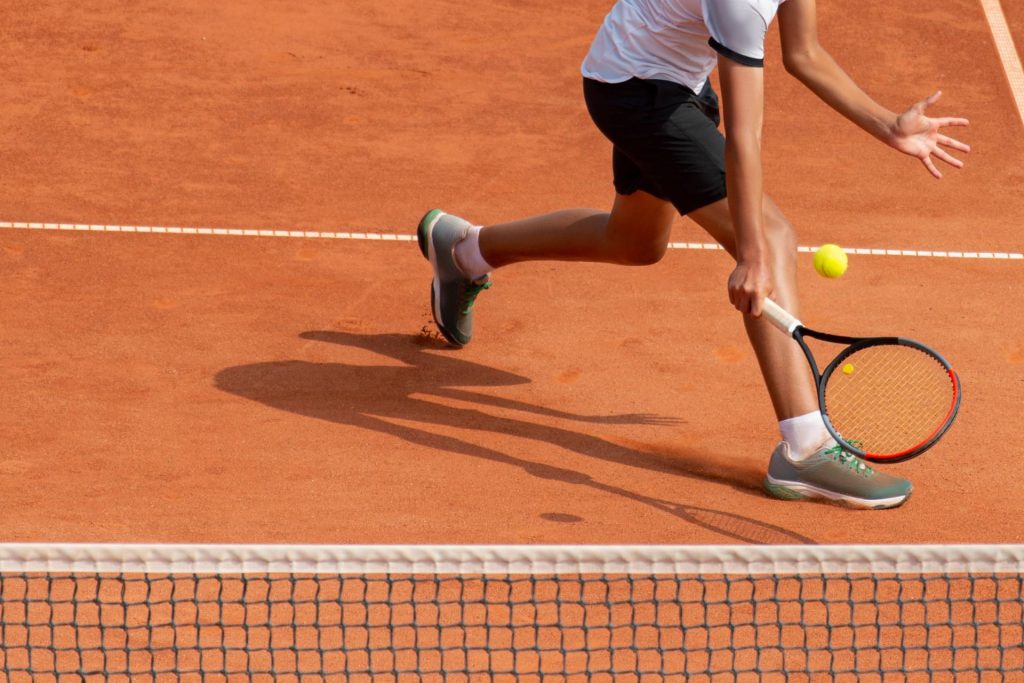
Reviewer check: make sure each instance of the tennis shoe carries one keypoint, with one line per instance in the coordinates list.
(452, 292)
(835, 474)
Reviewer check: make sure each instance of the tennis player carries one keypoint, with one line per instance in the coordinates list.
(645, 82)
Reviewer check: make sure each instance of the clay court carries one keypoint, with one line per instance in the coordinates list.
(255, 386)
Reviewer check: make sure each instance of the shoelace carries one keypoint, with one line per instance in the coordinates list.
(849, 459)
(470, 293)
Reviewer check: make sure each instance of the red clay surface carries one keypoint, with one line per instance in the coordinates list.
(223, 389)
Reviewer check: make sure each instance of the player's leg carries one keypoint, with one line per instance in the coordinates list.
(807, 463)
(635, 232)
(782, 363)
(681, 153)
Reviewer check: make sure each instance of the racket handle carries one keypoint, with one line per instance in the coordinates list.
(780, 317)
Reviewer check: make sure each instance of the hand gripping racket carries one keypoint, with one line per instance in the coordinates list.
(885, 399)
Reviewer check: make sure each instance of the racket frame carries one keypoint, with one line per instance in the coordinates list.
(792, 326)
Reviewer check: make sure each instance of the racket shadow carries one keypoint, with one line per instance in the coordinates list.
(396, 400)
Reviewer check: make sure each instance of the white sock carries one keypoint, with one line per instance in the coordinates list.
(805, 434)
(469, 258)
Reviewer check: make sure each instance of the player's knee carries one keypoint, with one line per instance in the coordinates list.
(781, 235)
(643, 252)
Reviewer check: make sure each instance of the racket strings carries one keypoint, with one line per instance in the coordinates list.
(892, 398)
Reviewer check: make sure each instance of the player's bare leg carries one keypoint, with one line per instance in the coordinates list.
(806, 463)
(782, 363)
(636, 232)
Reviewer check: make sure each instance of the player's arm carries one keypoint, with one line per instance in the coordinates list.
(911, 132)
(743, 102)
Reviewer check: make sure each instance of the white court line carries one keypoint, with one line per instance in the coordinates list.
(390, 237)
(1007, 51)
(860, 251)
(305, 234)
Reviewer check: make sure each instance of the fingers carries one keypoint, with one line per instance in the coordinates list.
(943, 155)
(920, 107)
(768, 291)
(947, 157)
(757, 305)
(740, 299)
(748, 287)
(947, 141)
(750, 302)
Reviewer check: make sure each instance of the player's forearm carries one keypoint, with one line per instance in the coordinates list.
(745, 189)
(817, 70)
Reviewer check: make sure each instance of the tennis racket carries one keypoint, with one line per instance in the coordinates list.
(885, 399)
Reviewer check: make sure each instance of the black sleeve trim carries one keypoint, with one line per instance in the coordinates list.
(734, 56)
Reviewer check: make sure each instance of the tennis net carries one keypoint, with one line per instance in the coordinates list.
(510, 613)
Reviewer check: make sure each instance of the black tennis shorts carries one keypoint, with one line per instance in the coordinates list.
(666, 139)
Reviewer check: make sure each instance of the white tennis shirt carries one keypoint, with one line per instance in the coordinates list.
(678, 40)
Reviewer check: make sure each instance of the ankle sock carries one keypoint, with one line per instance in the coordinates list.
(805, 434)
(468, 256)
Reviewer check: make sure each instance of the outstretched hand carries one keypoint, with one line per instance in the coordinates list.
(918, 135)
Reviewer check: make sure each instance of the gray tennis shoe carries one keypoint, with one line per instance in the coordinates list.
(452, 293)
(834, 474)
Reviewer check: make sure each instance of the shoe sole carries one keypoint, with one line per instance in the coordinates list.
(793, 490)
(423, 237)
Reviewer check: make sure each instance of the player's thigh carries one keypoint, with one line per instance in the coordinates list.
(716, 220)
(640, 217)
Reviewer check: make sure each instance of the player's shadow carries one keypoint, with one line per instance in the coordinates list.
(369, 397)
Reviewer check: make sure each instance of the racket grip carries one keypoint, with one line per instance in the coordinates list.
(780, 317)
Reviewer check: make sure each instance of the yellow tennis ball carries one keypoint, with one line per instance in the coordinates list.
(848, 369)
(830, 260)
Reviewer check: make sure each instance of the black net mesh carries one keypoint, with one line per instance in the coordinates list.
(61, 626)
